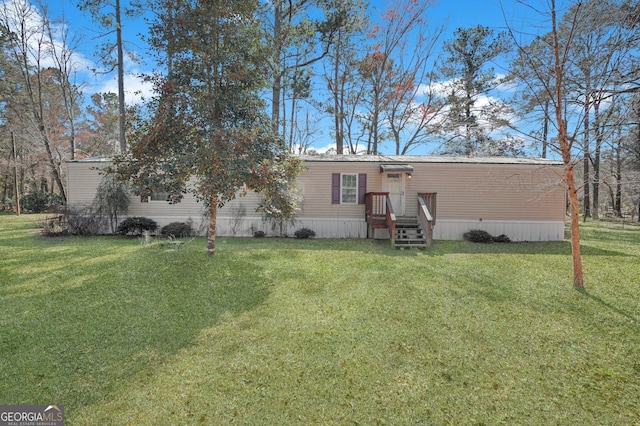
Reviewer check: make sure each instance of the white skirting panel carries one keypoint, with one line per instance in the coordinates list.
(357, 228)
(515, 230)
(324, 228)
(246, 226)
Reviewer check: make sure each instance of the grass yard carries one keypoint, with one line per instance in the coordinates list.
(320, 332)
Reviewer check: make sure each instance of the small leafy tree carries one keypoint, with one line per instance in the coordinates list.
(210, 134)
(281, 201)
(112, 197)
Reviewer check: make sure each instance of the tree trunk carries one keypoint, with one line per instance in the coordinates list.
(565, 148)
(545, 129)
(16, 193)
(276, 87)
(211, 237)
(54, 167)
(618, 197)
(586, 179)
(596, 161)
(337, 92)
(578, 279)
(121, 105)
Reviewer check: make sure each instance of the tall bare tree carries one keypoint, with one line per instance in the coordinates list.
(298, 35)
(108, 14)
(392, 71)
(603, 55)
(340, 72)
(45, 102)
(559, 44)
(533, 99)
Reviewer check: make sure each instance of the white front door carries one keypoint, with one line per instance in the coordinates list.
(393, 183)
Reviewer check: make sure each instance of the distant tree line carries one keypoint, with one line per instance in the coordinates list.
(370, 81)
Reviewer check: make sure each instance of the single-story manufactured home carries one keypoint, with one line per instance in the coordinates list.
(409, 199)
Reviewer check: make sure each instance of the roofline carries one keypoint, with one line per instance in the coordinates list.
(425, 159)
(390, 159)
(97, 159)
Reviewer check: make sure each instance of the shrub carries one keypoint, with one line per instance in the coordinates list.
(54, 225)
(502, 239)
(304, 233)
(259, 234)
(40, 201)
(6, 204)
(177, 230)
(84, 221)
(136, 226)
(480, 236)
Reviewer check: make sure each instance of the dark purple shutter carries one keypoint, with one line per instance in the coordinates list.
(335, 188)
(362, 187)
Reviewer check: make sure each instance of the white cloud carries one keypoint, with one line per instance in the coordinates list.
(45, 43)
(135, 89)
(504, 85)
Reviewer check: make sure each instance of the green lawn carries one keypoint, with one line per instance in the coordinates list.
(285, 331)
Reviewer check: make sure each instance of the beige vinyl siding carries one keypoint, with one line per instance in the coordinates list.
(187, 207)
(490, 191)
(465, 190)
(524, 200)
(82, 181)
(84, 177)
(315, 185)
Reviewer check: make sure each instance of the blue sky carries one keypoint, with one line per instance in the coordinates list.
(452, 14)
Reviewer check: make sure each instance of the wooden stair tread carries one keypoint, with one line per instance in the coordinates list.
(409, 233)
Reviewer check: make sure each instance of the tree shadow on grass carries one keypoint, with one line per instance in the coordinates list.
(545, 248)
(440, 247)
(609, 306)
(115, 313)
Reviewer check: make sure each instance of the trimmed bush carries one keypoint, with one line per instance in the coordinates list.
(136, 226)
(480, 236)
(304, 233)
(177, 230)
(501, 239)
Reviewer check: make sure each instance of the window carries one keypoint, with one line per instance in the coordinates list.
(348, 188)
(155, 196)
(159, 196)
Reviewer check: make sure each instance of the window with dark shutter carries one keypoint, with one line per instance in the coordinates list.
(335, 188)
(362, 187)
(348, 188)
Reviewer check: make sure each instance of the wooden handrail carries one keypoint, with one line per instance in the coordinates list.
(378, 206)
(391, 220)
(426, 220)
(430, 200)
